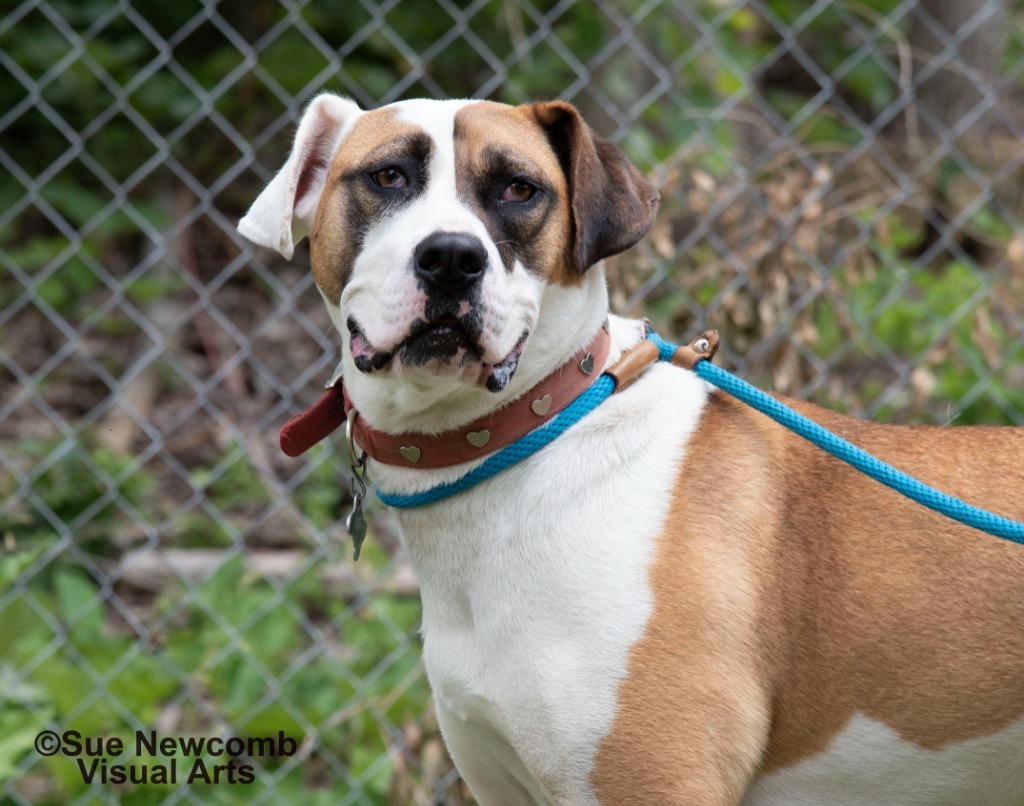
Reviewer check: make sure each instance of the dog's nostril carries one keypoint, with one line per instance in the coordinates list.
(473, 263)
(450, 260)
(429, 260)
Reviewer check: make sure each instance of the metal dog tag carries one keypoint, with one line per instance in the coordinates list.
(355, 525)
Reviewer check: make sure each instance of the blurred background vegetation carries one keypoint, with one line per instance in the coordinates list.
(842, 192)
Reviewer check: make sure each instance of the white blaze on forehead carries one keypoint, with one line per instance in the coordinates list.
(437, 119)
(425, 111)
(438, 208)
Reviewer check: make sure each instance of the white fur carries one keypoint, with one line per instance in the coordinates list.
(534, 588)
(870, 763)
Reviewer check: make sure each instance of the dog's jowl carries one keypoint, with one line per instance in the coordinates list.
(675, 601)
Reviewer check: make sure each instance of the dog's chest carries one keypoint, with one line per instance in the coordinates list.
(535, 585)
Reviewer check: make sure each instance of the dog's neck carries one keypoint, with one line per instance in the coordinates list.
(567, 320)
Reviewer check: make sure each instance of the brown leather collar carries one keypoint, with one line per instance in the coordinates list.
(473, 441)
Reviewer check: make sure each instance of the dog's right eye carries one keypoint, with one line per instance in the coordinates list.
(518, 192)
(391, 178)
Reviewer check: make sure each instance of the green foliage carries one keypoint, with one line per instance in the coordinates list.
(233, 484)
(244, 646)
(929, 318)
(257, 653)
(317, 496)
(75, 484)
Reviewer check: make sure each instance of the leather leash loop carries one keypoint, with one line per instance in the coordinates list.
(632, 363)
(702, 348)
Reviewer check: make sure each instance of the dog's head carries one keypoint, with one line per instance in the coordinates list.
(439, 229)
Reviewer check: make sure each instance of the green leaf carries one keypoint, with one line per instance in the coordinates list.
(18, 729)
(79, 604)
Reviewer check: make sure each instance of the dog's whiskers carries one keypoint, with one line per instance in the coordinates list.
(327, 335)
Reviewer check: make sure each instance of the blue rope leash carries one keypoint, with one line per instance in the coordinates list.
(841, 449)
(838, 447)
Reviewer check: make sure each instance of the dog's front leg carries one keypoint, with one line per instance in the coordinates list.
(487, 762)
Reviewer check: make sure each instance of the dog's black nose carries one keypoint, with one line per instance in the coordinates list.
(450, 261)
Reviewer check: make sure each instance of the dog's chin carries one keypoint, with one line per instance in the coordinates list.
(441, 349)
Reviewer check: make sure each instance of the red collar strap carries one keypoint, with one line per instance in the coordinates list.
(473, 441)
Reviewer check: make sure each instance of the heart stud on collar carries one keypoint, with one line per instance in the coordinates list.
(478, 438)
(410, 453)
(541, 406)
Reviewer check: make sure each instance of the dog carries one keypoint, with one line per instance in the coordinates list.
(675, 601)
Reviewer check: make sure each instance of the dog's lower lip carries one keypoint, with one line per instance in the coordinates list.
(500, 374)
(441, 325)
(365, 356)
(443, 340)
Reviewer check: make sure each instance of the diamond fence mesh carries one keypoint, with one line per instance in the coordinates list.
(842, 189)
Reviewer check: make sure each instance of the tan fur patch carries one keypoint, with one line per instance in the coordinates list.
(693, 711)
(788, 585)
(487, 133)
(346, 208)
(908, 617)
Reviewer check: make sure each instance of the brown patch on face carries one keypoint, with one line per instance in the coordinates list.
(496, 145)
(612, 204)
(591, 201)
(352, 203)
(787, 583)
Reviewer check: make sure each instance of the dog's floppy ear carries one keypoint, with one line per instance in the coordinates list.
(613, 205)
(283, 213)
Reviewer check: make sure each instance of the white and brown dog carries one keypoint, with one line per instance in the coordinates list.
(676, 601)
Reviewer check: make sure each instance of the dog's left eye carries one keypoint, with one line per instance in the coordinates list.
(518, 191)
(391, 178)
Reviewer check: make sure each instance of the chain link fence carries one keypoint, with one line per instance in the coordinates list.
(842, 190)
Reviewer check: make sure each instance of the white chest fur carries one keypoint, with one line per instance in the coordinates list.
(535, 585)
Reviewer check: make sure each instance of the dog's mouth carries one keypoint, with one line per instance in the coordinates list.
(443, 345)
(444, 339)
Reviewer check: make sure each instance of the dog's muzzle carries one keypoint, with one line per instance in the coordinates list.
(449, 267)
(447, 336)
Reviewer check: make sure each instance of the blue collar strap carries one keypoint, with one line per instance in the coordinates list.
(695, 357)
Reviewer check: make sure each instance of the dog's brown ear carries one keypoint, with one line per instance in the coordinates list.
(283, 213)
(613, 205)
